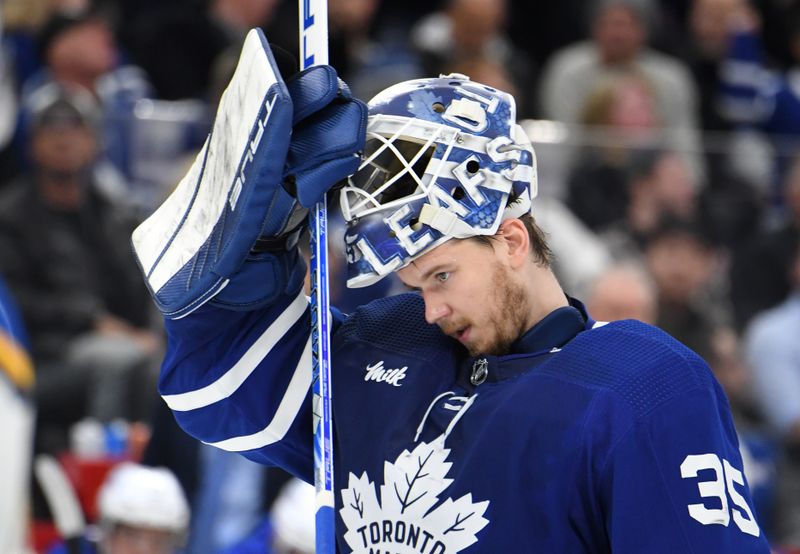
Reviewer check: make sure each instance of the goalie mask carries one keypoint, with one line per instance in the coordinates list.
(444, 158)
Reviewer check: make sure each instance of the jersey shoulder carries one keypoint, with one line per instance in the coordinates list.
(638, 362)
(397, 324)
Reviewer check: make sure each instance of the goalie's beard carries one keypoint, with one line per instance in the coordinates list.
(502, 321)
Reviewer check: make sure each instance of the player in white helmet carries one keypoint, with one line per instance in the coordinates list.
(143, 510)
(292, 518)
(484, 412)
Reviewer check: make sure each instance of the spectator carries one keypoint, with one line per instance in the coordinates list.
(658, 185)
(773, 354)
(709, 27)
(764, 102)
(758, 97)
(735, 165)
(618, 45)
(77, 48)
(753, 93)
(684, 266)
(473, 29)
(487, 71)
(623, 292)
(65, 253)
(621, 113)
(625, 102)
(79, 52)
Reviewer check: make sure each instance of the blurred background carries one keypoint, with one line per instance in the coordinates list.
(667, 135)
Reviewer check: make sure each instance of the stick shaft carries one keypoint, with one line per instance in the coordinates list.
(313, 28)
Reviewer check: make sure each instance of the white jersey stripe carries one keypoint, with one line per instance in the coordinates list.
(232, 379)
(287, 411)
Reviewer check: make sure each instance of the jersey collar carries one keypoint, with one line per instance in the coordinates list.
(555, 330)
(551, 333)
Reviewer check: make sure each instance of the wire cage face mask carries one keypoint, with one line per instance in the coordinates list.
(443, 159)
(393, 170)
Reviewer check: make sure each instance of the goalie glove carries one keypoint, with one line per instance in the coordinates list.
(227, 233)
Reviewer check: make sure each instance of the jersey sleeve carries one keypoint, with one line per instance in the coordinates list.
(674, 482)
(241, 381)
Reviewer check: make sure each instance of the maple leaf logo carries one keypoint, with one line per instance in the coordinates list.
(407, 518)
(422, 100)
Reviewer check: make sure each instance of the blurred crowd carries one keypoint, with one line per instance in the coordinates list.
(668, 142)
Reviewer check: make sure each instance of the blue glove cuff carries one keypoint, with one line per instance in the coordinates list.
(262, 279)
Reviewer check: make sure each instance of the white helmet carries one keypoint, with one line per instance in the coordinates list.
(142, 496)
(293, 518)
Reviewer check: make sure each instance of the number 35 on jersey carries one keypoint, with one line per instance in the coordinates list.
(717, 480)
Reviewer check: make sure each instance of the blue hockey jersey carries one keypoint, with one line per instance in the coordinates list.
(587, 438)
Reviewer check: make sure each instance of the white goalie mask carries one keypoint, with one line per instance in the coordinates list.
(444, 158)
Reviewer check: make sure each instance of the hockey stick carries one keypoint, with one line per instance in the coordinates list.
(61, 499)
(313, 26)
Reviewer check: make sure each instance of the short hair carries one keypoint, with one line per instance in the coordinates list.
(643, 10)
(542, 254)
(62, 21)
(596, 109)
